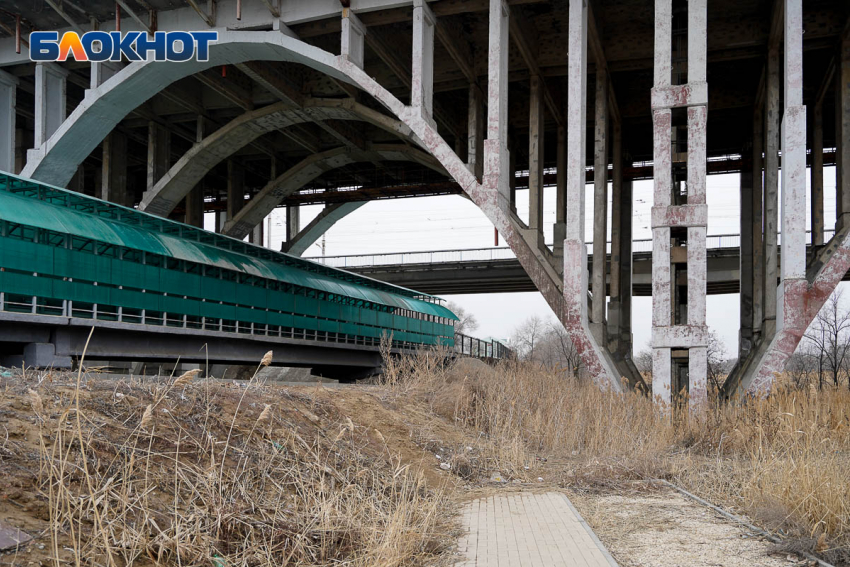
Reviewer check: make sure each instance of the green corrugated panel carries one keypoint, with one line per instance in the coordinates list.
(280, 319)
(368, 316)
(328, 326)
(349, 313)
(301, 322)
(413, 325)
(251, 315)
(281, 301)
(329, 309)
(26, 284)
(133, 299)
(306, 305)
(385, 319)
(400, 323)
(173, 304)
(252, 295)
(348, 328)
(365, 331)
(214, 310)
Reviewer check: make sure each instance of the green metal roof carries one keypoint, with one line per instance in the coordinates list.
(35, 204)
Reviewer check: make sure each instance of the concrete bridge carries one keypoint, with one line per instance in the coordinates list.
(357, 100)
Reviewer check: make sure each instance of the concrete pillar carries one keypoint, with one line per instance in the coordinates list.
(102, 71)
(293, 222)
(113, 184)
(758, 221)
(195, 206)
(745, 333)
(8, 106)
(793, 155)
(842, 111)
(535, 157)
(352, 37)
(620, 304)
(817, 175)
(600, 206)
(497, 158)
(235, 188)
(159, 153)
(771, 191)
(50, 91)
(475, 136)
(560, 228)
(422, 80)
(668, 334)
(256, 236)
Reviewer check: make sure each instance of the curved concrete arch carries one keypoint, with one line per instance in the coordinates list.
(56, 160)
(307, 170)
(330, 215)
(244, 129)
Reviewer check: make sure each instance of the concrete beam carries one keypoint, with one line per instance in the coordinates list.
(293, 222)
(329, 216)
(8, 112)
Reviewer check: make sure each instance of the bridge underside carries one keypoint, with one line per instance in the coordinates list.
(320, 103)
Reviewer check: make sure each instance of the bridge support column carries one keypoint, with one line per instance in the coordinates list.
(560, 228)
(758, 219)
(679, 333)
(159, 153)
(8, 92)
(745, 333)
(195, 206)
(620, 306)
(352, 36)
(113, 183)
(422, 81)
(235, 188)
(50, 91)
(598, 365)
(799, 299)
(497, 163)
(600, 207)
(535, 162)
(817, 174)
(842, 125)
(256, 236)
(475, 129)
(293, 223)
(771, 190)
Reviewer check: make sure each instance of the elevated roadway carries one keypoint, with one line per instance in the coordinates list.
(496, 270)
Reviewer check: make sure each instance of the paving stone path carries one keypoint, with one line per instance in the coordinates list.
(529, 530)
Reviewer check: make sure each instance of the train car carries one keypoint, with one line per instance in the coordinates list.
(66, 254)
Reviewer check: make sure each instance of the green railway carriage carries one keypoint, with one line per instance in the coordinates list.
(66, 254)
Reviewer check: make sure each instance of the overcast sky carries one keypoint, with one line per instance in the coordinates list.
(452, 222)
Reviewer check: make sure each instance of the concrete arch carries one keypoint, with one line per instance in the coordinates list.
(57, 159)
(330, 215)
(305, 171)
(244, 129)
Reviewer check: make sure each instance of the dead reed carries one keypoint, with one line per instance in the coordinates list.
(783, 459)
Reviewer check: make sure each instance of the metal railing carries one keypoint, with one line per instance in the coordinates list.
(478, 348)
(713, 242)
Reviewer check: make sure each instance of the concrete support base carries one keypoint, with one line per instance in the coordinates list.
(38, 355)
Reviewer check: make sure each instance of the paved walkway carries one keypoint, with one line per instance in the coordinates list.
(529, 530)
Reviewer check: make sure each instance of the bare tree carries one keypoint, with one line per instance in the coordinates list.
(643, 362)
(804, 365)
(566, 353)
(716, 360)
(830, 335)
(528, 335)
(466, 323)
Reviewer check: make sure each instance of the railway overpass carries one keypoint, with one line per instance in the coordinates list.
(496, 270)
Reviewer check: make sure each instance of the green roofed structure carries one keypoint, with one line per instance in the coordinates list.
(70, 260)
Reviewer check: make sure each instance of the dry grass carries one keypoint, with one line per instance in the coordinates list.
(183, 472)
(784, 460)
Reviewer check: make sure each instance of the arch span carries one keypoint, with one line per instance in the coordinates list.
(330, 215)
(307, 170)
(244, 129)
(56, 161)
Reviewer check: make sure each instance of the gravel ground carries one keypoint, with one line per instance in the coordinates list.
(664, 529)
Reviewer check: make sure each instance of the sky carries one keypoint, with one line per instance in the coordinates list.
(452, 222)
